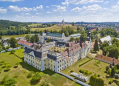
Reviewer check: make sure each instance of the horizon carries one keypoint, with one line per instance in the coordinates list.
(56, 10)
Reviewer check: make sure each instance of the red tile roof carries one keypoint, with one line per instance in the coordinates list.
(73, 48)
(25, 43)
(107, 59)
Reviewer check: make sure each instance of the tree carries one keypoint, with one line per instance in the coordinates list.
(72, 39)
(36, 38)
(107, 67)
(96, 48)
(27, 37)
(44, 83)
(0, 37)
(36, 77)
(48, 40)
(83, 36)
(66, 34)
(29, 75)
(73, 24)
(32, 40)
(113, 51)
(92, 36)
(113, 71)
(77, 39)
(109, 71)
(97, 29)
(13, 42)
(12, 51)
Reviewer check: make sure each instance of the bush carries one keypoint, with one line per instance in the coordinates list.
(82, 70)
(12, 51)
(98, 75)
(36, 77)
(44, 83)
(71, 71)
(29, 75)
(117, 83)
(111, 81)
(22, 47)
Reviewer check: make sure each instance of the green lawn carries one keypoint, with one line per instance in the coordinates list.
(23, 69)
(93, 66)
(16, 36)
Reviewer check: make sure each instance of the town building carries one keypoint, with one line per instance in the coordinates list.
(24, 43)
(107, 38)
(54, 57)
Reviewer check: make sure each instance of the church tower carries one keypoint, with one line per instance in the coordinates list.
(88, 41)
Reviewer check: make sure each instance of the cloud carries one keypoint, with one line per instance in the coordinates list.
(66, 2)
(115, 8)
(25, 13)
(47, 6)
(25, 9)
(48, 12)
(84, 1)
(11, 0)
(59, 8)
(118, 2)
(77, 9)
(3, 10)
(106, 2)
(90, 8)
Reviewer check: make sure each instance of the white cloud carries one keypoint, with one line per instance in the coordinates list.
(11, 0)
(66, 2)
(118, 2)
(3, 10)
(84, 1)
(25, 13)
(90, 8)
(93, 8)
(48, 12)
(77, 9)
(60, 8)
(47, 6)
(115, 8)
(106, 2)
(25, 9)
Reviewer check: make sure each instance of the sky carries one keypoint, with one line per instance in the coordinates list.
(57, 10)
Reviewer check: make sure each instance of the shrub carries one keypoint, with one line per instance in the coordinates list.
(22, 47)
(36, 77)
(44, 83)
(10, 82)
(111, 81)
(117, 83)
(82, 70)
(29, 75)
(71, 71)
(12, 51)
(98, 75)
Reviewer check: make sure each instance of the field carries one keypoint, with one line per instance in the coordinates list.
(23, 69)
(33, 25)
(16, 36)
(55, 28)
(94, 66)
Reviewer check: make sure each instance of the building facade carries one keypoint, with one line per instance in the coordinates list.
(49, 56)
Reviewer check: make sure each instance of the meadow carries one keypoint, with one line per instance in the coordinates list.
(20, 73)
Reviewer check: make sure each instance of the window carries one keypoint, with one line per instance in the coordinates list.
(58, 66)
(60, 60)
(54, 66)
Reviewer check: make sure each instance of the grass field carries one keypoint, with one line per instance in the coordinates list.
(33, 25)
(16, 36)
(55, 28)
(98, 69)
(23, 69)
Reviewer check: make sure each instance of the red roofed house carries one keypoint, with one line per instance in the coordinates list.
(24, 43)
(107, 59)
